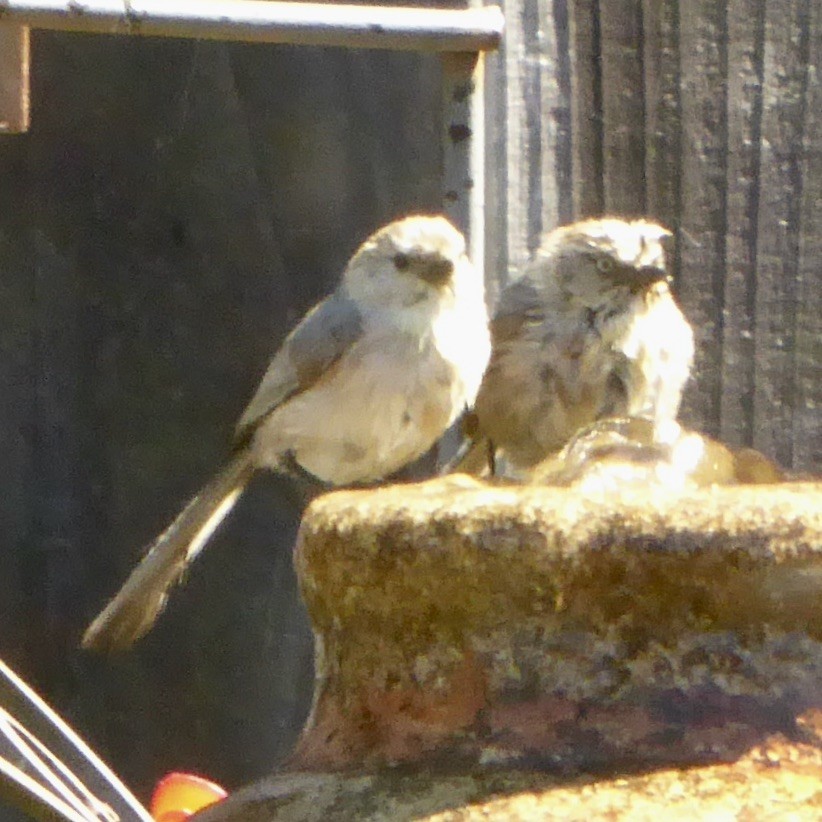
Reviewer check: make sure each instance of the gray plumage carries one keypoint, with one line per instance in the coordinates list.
(367, 382)
(326, 332)
(588, 330)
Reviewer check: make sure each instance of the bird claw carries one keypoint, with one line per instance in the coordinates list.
(307, 484)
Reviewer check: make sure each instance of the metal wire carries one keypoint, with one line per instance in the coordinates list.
(47, 770)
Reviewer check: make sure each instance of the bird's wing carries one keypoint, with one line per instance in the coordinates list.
(520, 304)
(321, 338)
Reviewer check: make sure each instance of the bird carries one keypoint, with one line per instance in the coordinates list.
(588, 330)
(367, 382)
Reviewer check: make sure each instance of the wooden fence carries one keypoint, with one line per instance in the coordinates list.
(706, 116)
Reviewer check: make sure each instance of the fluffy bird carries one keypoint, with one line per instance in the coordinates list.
(367, 382)
(589, 330)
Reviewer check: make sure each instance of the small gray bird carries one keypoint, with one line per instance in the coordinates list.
(367, 382)
(589, 330)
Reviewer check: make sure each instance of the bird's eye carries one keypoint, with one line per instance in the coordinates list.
(605, 265)
(401, 261)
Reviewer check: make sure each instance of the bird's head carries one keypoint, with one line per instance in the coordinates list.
(595, 257)
(408, 262)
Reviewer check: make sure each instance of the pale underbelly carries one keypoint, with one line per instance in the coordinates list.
(363, 427)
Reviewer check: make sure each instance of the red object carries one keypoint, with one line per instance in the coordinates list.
(179, 795)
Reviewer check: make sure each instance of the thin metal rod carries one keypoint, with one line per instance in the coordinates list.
(315, 24)
(17, 699)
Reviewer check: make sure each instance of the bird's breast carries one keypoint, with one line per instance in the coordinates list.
(385, 403)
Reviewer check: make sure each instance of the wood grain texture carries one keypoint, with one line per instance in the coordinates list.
(703, 116)
(807, 395)
(14, 79)
(669, 117)
(531, 162)
(556, 82)
(520, 85)
(746, 41)
(623, 107)
(660, 25)
(703, 61)
(778, 230)
(586, 107)
(496, 175)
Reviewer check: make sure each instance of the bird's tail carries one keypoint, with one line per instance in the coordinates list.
(136, 606)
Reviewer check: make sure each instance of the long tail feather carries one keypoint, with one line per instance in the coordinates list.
(137, 605)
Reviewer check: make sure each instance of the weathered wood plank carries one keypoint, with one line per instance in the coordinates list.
(463, 141)
(558, 161)
(530, 128)
(337, 25)
(623, 107)
(807, 395)
(552, 199)
(496, 174)
(544, 120)
(519, 151)
(702, 40)
(785, 74)
(536, 130)
(662, 111)
(14, 79)
(746, 36)
(586, 108)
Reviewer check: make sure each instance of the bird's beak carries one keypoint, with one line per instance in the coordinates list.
(646, 276)
(435, 269)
